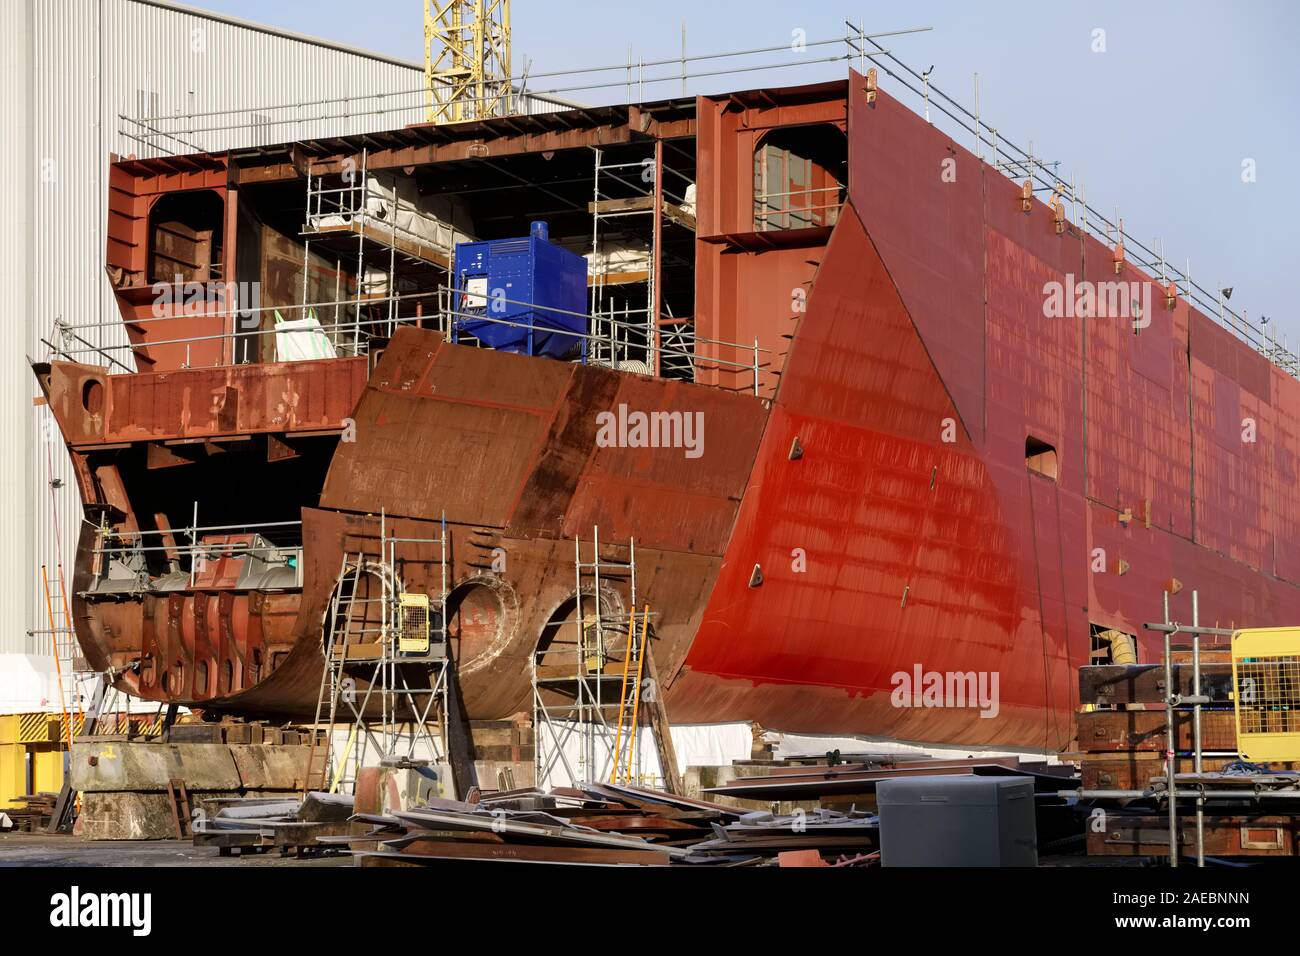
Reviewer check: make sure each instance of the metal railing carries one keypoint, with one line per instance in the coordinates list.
(449, 320)
(1016, 163)
(778, 210)
(344, 115)
(129, 547)
(1000, 153)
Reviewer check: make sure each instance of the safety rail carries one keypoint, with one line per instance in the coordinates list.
(130, 544)
(351, 115)
(1016, 162)
(444, 318)
(861, 46)
(808, 216)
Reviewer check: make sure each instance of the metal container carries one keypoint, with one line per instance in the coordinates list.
(536, 286)
(957, 821)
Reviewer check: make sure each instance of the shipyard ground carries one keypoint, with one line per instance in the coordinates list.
(39, 849)
(47, 850)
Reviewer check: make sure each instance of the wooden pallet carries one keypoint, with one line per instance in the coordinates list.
(1125, 730)
(1112, 684)
(35, 813)
(1226, 835)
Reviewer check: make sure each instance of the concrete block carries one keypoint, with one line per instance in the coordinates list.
(127, 816)
(264, 767)
(104, 766)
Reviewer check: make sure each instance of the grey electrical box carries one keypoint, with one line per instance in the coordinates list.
(957, 821)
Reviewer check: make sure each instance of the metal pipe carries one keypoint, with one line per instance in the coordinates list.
(1196, 725)
(1254, 796)
(1170, 764)
(215, 527)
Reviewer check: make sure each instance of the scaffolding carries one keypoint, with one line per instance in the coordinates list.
(387, 668)
(1175, 701)
(345, 216)
(354, 222)
(576, 691)
(625, 337)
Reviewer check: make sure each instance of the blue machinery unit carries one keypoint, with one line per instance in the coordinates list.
(537, 286)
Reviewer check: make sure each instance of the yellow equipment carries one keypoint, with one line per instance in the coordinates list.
(31, 755)
(413, 624)
(466, 59)
(1266, 685)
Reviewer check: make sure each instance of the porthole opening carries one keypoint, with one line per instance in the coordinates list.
(1040, 457)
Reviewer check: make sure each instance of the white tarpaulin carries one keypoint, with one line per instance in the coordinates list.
(618, 258)
(394, 211)
(786, 746)
(301, 340)
(695, 744)
(394, 201)
(27, 683)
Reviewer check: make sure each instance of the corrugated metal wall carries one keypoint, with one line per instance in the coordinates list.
(76, 69)
(18, 191)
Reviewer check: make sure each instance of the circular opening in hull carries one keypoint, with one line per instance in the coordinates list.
(558, 645)
(475, 617)
(92, 396)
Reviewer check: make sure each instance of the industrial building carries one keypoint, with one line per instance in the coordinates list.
(82, 80)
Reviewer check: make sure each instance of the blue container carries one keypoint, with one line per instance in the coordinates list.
(530, 282)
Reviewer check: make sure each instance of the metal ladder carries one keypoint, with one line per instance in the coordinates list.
(334, 647)
(572, 698)
(629, 702)
(63, 643)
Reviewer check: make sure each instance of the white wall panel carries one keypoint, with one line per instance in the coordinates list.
(72, 69)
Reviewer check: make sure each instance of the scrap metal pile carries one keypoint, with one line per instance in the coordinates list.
(854, 784)
(605, 824)
(829, 819)
(257, 824)
(33, 816)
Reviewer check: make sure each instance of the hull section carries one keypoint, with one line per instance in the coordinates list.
(928, 474)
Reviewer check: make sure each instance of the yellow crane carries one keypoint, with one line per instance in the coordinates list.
(466, 59)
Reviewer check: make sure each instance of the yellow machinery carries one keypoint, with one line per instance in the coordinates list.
(413, 626)
(31, 755)
(1266, 693)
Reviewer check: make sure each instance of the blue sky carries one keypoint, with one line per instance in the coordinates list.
(1159, 124)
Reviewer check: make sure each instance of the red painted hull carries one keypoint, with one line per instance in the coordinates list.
(909, 534)
(928, 305)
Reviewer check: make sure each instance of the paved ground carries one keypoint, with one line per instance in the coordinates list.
(36, 849)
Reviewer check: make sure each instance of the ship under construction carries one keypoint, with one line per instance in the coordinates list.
(784, 350)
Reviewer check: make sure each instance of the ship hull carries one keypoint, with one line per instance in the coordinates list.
(933, 479)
